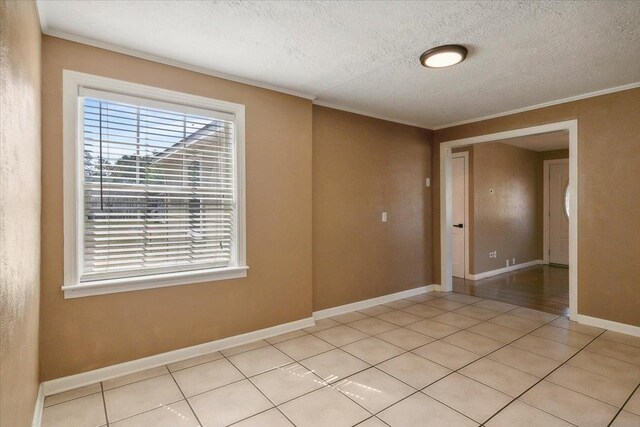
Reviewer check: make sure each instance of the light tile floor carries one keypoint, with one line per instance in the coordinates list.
(436, 359)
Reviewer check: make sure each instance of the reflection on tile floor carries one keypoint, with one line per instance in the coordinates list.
(431, 360)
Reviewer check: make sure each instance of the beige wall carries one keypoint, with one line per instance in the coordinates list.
(19, 210)
(87, 333)
(608, 202)
(361, 167)
(513, 173)
(507, 220)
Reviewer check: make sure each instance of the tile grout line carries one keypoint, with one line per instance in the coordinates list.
(589, 371)
(373, 417)
(261, 392)
(395, 327)
(331, 385)
(289, 339)
(171, 373)
(299, 362)
(75, 398)
(615, 342)
(104, 404)
(411, 351)
(464, 366)
(624, 404)
(543, 378)
(185, 397)
(148, 410)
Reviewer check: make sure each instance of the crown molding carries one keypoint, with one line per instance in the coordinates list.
(170, 62)
(313, 98)
(543, 105)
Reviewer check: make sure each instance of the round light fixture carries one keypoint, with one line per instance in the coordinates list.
(443, 56)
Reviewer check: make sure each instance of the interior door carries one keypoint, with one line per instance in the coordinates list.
(458, 211)
(559, 213)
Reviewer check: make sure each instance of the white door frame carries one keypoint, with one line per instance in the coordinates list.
(446, 199)
(545, 205)
(465, 154)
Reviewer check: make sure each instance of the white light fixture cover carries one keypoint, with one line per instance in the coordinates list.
(443, 56)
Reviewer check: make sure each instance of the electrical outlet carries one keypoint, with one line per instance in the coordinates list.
(384, 217)
(428, 182)
(513, 261)
(507, 263)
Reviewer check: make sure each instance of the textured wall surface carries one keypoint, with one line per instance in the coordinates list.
(608, 202)
(87, 333)
(19, 210)
(500, 235)
(361, 167)
(507, 220)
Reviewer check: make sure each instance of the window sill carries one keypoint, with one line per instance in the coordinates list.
(128, 284)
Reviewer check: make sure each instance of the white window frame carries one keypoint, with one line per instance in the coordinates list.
(73, 147)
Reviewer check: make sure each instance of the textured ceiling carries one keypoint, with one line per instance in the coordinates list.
(363, 56)
(541, 142)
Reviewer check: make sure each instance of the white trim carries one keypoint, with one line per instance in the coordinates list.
(543, 105)
(102, 374)
(610, 325)
(364, 113)
(505, 269)
(573, 220)
(445, 199)
(545, 205)
(360, 305)
(465, 155)
(125, 98)
(170, 62)
(39, 407)
(75, 82)
(127, 284)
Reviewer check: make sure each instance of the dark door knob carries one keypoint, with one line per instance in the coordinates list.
(458, 225)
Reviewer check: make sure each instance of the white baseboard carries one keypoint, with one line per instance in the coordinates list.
(91, 377)
(623, 328)
(360, 305)
(71, 382)
(505, 269)
(39, 407)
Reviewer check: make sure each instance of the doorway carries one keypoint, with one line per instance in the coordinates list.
(460, 214)
(557, 211)
(447, 162)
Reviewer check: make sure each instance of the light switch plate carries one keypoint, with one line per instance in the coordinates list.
(384, 217)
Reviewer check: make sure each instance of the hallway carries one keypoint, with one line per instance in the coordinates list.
(542, 287)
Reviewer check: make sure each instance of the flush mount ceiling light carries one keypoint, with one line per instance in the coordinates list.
(443, 56)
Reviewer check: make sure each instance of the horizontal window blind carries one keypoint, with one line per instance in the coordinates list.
(158, 189)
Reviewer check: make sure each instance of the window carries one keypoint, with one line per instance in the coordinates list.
(157, 196)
